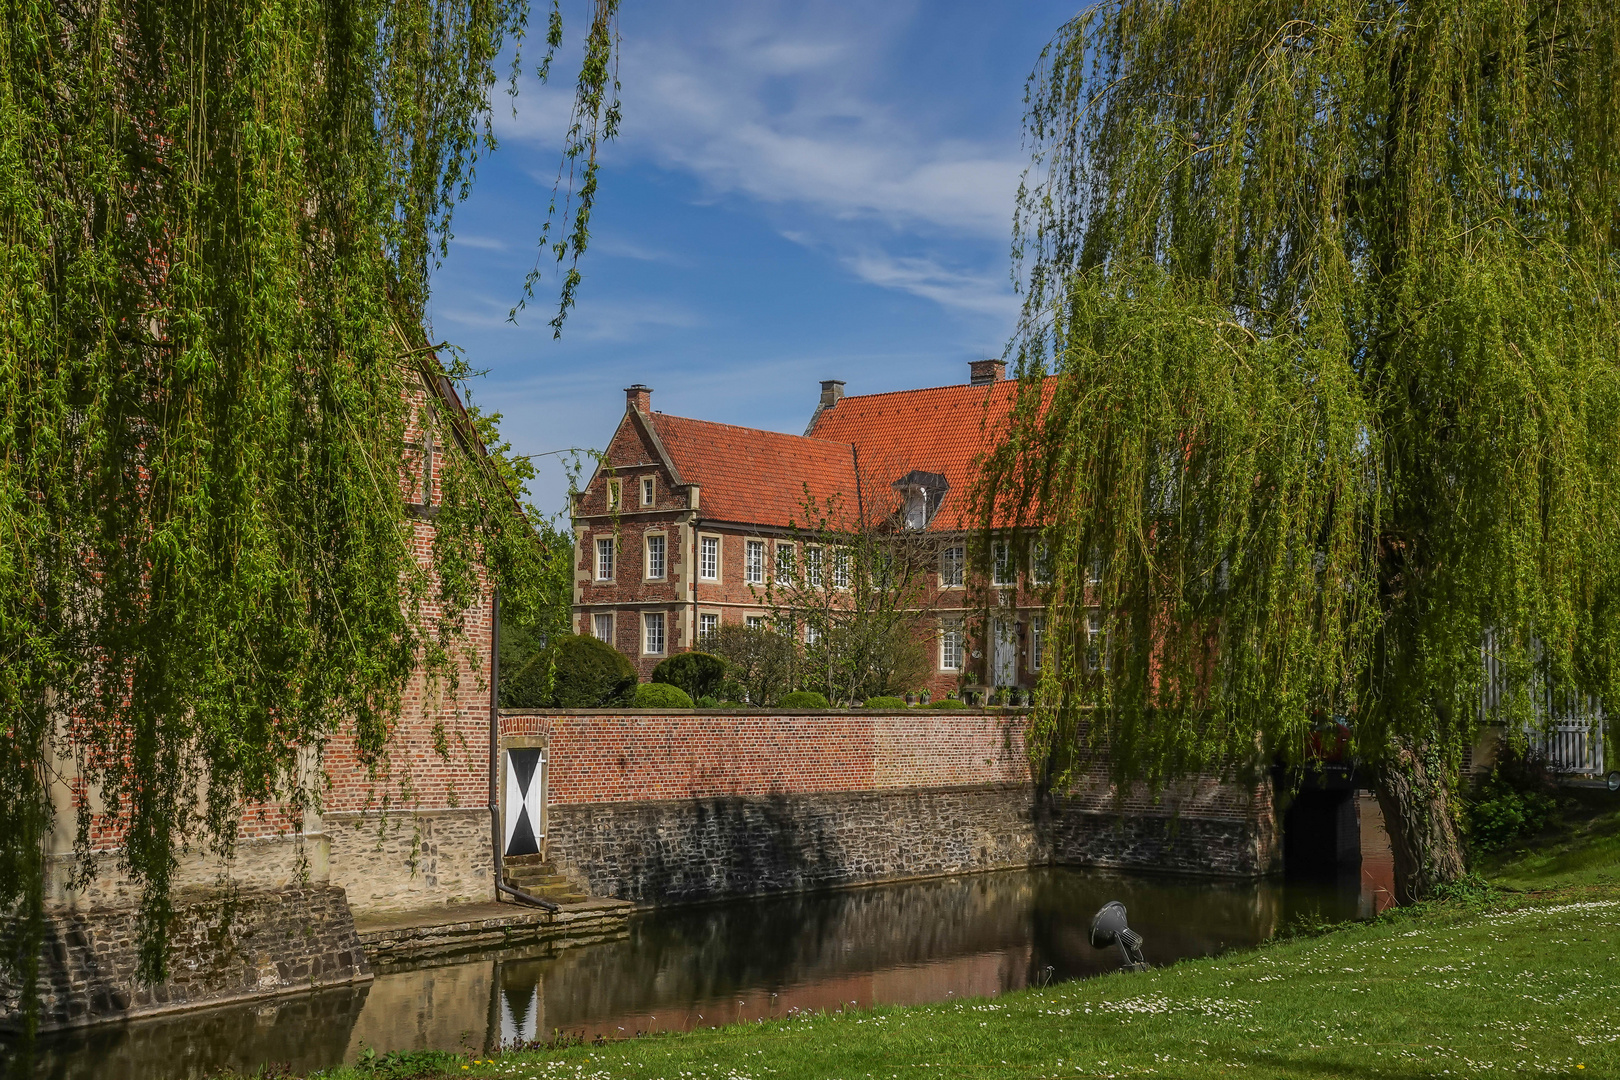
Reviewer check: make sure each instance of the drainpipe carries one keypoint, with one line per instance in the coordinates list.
(495, 844)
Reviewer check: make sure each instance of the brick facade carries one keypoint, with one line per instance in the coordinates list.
(752, 488)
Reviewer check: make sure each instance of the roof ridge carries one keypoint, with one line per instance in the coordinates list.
(757, 430)
(930, 389)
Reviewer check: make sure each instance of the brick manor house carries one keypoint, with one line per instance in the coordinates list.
(684, 519)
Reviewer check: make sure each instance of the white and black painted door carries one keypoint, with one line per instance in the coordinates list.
(525, 799)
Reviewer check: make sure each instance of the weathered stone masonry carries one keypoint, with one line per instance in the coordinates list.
(691, 806)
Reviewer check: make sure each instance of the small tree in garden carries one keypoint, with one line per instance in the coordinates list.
(761, 663)
(858, 600)
(1330, 295)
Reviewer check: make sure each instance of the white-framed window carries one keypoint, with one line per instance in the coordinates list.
(950, 645)
(952, 566)
(604, 559)
(708, 625)
(602, 626)
(840, 568)
(1037, 641)
(1001, 568)
(1094, 640)
(1040, 563)
(613, 494)
(652, 640)
(649, 489)
(709, 558)
(756, 622)
(812, 634)
(1095, 569)
(754, 562)
(784, 563)
(655, 557)
(812, 566)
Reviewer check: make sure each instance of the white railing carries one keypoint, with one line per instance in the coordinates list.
(1568, 729)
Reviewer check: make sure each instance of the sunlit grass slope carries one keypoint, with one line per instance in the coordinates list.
(1584, 851)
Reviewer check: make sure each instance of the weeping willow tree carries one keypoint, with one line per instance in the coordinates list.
(218, 221)
(1327, 298)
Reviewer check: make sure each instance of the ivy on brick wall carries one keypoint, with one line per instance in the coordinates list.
(217, 222)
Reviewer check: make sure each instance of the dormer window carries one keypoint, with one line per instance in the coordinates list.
(647, 490)
(921, 494)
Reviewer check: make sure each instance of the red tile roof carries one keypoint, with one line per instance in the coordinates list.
(752, 476)
(944, 430)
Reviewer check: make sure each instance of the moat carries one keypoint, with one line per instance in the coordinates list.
(680, 968)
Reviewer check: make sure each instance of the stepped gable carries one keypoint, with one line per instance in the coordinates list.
(756, 477)
(942, 430)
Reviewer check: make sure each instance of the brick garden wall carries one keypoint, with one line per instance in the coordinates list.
(696, 805)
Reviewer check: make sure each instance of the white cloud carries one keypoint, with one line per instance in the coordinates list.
(780, 104)
(924, 277)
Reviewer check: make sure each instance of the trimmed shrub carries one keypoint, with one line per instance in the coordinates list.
(698, 673)
(884, 701)
(661, 695)
(802, 699)
(590, 673)
(944, 703)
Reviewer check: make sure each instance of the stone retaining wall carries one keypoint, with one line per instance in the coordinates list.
(695, 849)
(265, 942)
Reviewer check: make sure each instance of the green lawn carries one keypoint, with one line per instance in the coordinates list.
(1502, 986)
(1585, 851)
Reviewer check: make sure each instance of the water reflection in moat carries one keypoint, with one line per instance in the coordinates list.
(680, 968)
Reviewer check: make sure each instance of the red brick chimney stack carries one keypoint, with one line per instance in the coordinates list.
(638, 397)
(983, 372)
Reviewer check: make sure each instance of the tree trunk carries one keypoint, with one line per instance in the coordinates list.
(1417, 805)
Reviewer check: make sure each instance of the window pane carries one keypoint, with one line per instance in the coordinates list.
(1000, 564)
(951, 566)
(655, 631)
(647, 492)
(604, 560)
(756, 622)
(754, 564)
(784, 564)
(709, 558)
(708, 626)
(812, 566)
(1037, 641)
(841, 568)
(655, 556)
(604, 628)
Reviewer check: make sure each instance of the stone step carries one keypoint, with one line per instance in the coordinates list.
(537, 880)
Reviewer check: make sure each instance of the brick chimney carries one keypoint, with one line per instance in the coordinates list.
(832, 392)
(983, 372)
(638, 397)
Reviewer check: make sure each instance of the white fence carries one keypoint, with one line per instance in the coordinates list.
(1568, 733)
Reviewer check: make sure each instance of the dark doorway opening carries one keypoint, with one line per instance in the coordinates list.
(1321, 833)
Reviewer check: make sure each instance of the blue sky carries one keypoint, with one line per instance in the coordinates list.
(802, 191)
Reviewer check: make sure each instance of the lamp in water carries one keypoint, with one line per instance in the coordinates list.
(1110, 928)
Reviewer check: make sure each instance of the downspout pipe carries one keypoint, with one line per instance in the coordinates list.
(495, 845)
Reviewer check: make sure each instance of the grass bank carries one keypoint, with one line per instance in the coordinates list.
(1583, 850)
(1494, 985)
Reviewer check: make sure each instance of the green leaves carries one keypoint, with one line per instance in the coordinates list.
(1332, 317)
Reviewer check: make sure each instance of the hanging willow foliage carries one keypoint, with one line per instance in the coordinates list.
(217, 222)
(1329, 293)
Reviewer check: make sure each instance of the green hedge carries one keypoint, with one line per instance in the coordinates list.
(590, 674)
(885, 701)
(945, 703)
(658, 695)
(698, 673)
(802, 699)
